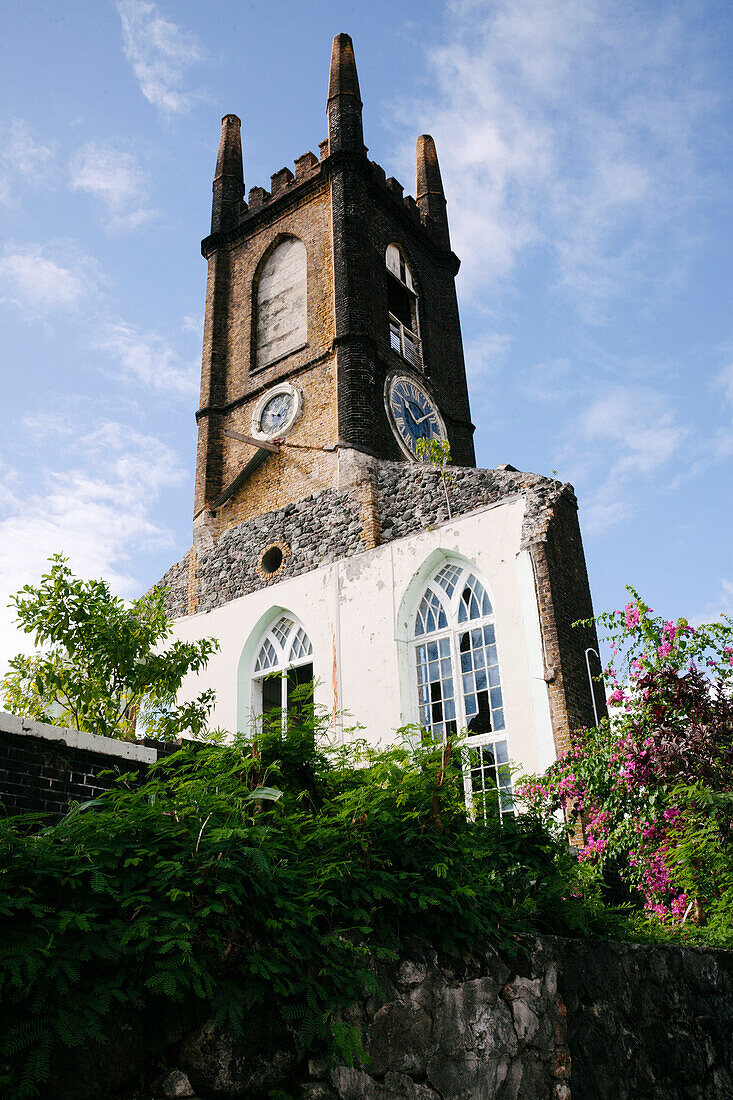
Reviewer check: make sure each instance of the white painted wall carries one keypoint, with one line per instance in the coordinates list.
(358, 613)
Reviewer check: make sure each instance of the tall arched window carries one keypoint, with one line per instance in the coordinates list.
(282, 313)
(283, 671)
(404, 320)
(458, 679)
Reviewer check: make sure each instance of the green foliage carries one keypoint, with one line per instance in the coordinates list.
(204, 890)
(437, 453)
(105, 666)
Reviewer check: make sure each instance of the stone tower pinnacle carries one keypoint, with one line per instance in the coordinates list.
(429, 193)
(228, 184)
(344, 99)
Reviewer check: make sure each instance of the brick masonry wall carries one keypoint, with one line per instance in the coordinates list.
(43, 769)
(346, 214)
(368, 215)
(301, 469)
(561, 579)
(231, 383)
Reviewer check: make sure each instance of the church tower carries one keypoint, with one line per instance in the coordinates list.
(325, 548)
(331, 319)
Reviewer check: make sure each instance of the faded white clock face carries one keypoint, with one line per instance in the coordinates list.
(413, 413)
(277, 414)
(277, 411)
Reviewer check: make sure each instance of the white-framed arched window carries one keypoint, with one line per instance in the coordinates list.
(404, 317)
(456, 669)
(282, 671)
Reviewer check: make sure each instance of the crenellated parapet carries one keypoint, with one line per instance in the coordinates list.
(345, 139)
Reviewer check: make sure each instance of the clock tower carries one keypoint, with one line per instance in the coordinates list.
(332, 335)
(325, 549)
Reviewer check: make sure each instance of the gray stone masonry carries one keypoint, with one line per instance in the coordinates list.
(564, 1020)
(328, 526)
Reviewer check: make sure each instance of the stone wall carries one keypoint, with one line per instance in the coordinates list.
(45, 768)
(311, 532)
(378, 502)
(572, 1020)
(175, 583)
(331, 524)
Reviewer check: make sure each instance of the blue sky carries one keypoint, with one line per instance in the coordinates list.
(586, 153)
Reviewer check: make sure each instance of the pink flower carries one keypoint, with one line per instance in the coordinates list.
(617, 696)
(664, 649)
(632, 616)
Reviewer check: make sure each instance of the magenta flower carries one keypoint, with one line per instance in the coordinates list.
(632, 616)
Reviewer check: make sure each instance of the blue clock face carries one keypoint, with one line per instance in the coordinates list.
(414, 414)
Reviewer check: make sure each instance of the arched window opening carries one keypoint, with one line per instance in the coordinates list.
(282, 313)
(459, 683)
(282, 677)
(404, 322)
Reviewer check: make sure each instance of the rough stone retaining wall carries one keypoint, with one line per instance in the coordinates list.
(574, 1020)
(44, 768)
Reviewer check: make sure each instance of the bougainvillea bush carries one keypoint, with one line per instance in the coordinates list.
(648, 793)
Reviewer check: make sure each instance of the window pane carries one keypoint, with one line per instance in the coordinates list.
(281, 629)
(447, 578)
(267, 657)
(435, 691)
(272, 696)
(300, 693)
(399, 301)
(490, 781)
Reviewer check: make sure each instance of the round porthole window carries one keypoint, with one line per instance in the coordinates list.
(272, 558)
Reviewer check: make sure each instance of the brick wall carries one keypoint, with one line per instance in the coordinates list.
(346, 213)
(231, 382)
(45, 768)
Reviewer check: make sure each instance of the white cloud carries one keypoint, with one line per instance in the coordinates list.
(146, 358)
(26, 155)
(98, 513)
(547, 381)
(159, 52)
(485, 354)
(116, 179)
(22, 155)
(625, 437)
(725, 382)
(37, 280)
(563, 127)
(194, 324)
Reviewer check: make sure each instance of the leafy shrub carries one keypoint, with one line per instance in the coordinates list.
(106, 666)
(252, 873)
